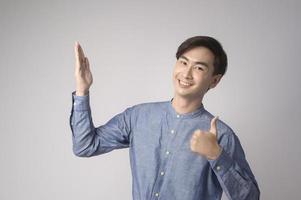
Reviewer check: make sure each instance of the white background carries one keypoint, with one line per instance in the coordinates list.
(131, 46)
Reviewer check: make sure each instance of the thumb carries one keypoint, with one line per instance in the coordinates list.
(213, 128)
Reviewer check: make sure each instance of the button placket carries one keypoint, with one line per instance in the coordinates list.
(172, 131)
(174, 123)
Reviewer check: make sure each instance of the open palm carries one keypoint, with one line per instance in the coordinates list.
(83, 75)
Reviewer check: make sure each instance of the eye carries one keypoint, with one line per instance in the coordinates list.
(183, 62)
(199, 68)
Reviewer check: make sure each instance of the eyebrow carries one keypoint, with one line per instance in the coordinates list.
(198, 62)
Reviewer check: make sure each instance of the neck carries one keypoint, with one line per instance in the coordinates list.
(186, 105)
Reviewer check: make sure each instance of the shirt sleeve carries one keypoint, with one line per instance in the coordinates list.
(91, 141)
(233, 171)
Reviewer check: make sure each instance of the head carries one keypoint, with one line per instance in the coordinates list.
(201, 63)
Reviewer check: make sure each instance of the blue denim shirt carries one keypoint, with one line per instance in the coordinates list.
(162, 164)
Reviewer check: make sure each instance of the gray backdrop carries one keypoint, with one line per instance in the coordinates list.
(131, 46)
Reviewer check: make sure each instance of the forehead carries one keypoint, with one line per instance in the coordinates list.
(202, 54)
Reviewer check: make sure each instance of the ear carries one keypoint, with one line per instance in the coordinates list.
(215, 80)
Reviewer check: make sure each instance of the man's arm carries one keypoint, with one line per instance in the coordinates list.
(90, 141)
(233, 171)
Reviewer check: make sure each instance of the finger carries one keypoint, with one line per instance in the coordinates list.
(213, 128)
(196, 134)
(77, 64)
(81, 52)
(87, 63)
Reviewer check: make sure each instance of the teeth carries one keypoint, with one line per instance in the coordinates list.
(183, 83)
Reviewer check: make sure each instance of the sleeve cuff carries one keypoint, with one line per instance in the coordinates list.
(80, 103)
(222, 164)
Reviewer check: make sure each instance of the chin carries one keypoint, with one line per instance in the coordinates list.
(184, 94)
(190, 93)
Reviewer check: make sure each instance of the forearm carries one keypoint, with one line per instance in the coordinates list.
(89, 140)
(83, 130)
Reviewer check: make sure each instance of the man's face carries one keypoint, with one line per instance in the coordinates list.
(192, 74)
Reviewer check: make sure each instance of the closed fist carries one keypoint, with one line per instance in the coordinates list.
(205, 142)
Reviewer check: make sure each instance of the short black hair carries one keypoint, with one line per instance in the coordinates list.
(220, 56)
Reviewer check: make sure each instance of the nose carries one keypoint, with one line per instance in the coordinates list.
(187, 73)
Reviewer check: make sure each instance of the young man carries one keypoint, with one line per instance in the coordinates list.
(178, 150)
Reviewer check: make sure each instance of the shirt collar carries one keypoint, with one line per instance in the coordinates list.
(189, 115)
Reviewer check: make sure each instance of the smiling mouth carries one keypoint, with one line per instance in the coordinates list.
(184, 84)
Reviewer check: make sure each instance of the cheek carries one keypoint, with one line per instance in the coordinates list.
(173, 76)
(175, 73)
(202, 84)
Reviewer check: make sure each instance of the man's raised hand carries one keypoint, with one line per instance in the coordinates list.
(83, 75)
(205, 142)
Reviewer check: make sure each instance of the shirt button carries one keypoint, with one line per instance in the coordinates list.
(172, 131)
(167, 152)
(157, 194)
(178, 116)
(162, 173)
(218, 167)
(74, 103)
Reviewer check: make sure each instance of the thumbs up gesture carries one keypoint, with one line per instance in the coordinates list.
(205, 143)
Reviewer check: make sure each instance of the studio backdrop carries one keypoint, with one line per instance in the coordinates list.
(131, 46)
